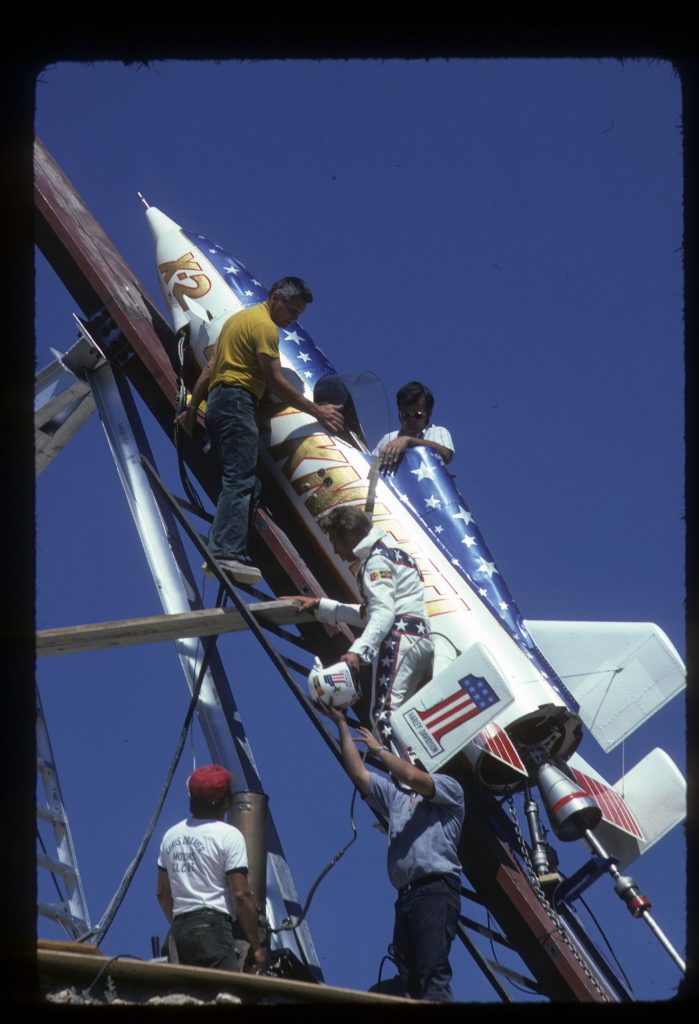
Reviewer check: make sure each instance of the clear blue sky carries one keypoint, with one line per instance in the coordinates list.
(510, 232)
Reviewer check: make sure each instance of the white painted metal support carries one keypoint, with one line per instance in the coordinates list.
(217, 711)
(58, 912)
(62, 404)
(56, 866)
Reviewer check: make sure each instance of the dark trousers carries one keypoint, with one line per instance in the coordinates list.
(204, 938)
(425, 926)
(232, 428)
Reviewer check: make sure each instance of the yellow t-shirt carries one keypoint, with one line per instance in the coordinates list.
(242, 336)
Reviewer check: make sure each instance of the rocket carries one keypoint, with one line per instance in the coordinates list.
(512, 697)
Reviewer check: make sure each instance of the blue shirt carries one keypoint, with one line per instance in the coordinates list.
(423, 832)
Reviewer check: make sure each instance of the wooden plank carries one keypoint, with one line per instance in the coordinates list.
(155, 628)
(95, 272)
(66, 946)
(59, 968)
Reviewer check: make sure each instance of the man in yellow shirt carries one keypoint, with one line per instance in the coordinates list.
(245, 363)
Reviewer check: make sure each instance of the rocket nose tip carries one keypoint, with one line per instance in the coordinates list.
(160, 224)
(145, 204)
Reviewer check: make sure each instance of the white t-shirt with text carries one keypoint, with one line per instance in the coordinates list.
(197, 853)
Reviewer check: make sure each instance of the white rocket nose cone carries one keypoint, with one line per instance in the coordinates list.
(160, 223)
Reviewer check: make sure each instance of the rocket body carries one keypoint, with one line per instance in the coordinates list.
(475, 622)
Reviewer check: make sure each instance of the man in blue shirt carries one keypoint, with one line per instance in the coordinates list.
(425, 815)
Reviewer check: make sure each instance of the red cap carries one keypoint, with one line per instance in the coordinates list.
(210, 782)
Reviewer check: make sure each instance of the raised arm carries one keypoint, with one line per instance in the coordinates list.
(405, 772)
(351, 757)
(330, 416)
(380, 611)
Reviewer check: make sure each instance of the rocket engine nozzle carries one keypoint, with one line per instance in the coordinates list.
(571, 811)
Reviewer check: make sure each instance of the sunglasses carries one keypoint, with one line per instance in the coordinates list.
(412, 415)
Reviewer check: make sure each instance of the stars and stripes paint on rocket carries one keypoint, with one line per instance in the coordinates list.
(425, 486)
(613, 808)
(295, 345)
(421, 482)
(483, 635)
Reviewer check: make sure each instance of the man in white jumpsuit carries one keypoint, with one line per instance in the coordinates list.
(395, 639)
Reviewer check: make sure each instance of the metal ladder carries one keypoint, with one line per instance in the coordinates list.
(71, 909)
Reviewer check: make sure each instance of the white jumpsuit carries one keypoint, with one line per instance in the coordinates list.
(396, 638)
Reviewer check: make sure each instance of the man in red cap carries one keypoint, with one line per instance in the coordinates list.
(203, 879)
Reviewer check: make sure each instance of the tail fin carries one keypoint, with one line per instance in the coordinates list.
(620, 673)
(640, 808)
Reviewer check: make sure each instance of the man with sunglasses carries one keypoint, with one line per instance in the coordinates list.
(415, 404)
(245, 363)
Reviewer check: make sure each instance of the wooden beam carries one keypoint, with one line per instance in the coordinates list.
(154, 628)
(59, 968)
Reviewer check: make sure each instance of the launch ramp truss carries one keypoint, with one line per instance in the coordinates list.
(125, 343)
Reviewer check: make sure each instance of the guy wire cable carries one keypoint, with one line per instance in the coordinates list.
(101, 929)
(345, 848)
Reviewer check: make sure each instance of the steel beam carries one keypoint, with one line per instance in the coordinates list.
(178, 592)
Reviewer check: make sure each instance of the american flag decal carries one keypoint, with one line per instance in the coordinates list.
(495, 741)
(472, 696)
(613, 808)
(334, 678)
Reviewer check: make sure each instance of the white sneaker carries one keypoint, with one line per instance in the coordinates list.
(241, 572)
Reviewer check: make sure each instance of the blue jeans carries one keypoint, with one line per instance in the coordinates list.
(232, 428)
(204, 938)
(425, 926)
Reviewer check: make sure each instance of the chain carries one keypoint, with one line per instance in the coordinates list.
(536, 885)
